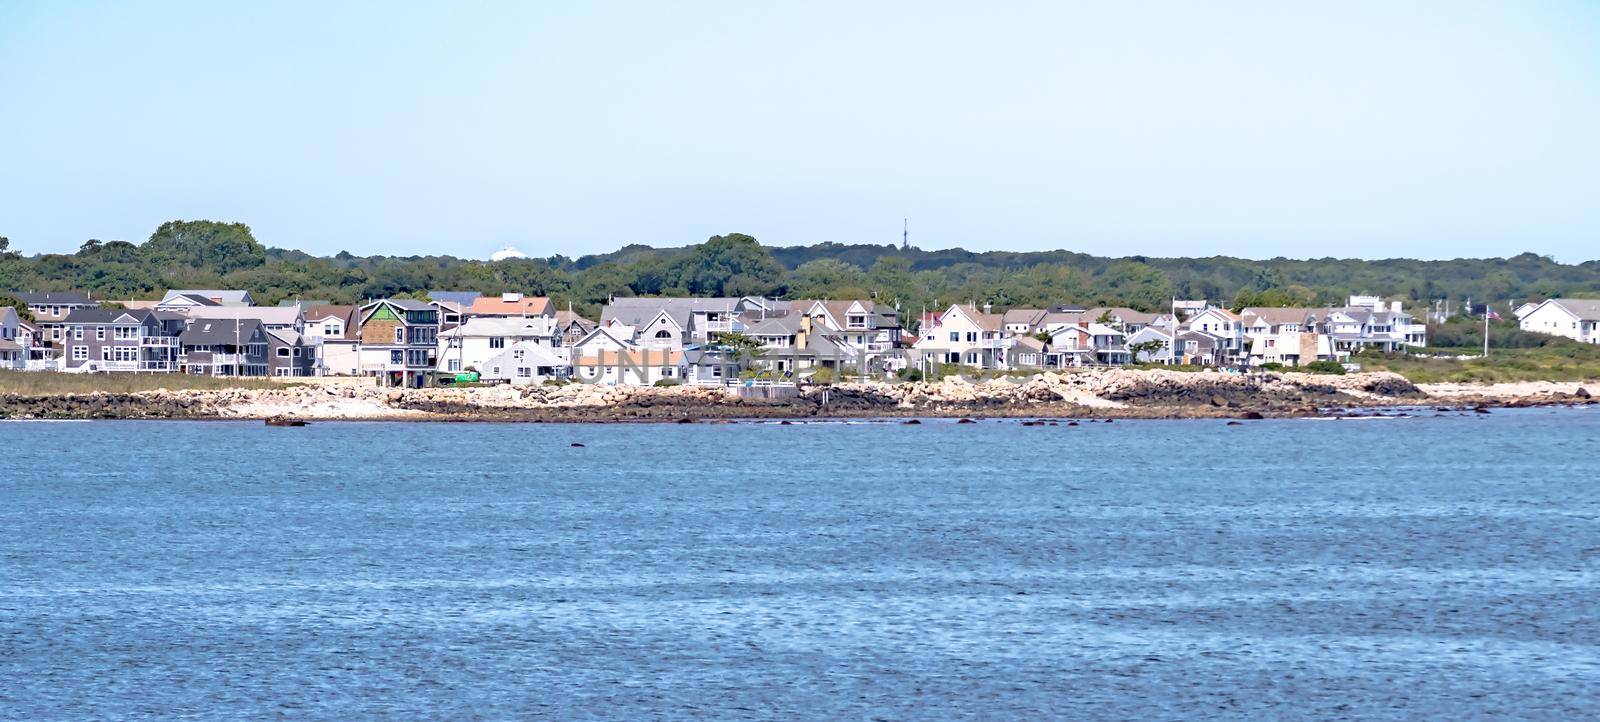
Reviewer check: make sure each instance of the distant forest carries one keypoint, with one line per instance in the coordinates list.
(208, 254)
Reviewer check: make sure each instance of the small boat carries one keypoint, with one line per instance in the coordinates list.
(282, 421)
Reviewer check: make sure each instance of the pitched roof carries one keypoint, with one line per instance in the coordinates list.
(565, 318)
(464, 299)
(776, 326)
(269, 315)
(636, 311)
(211, 296)
(8, 313)
(288, 336)
(1029, 316)
(1127, 315)
(494, 326)
(105, 315)
(55, 298)
(1586, 309)
(208, 331)
(511, 304)
(320, 312)
(1277, 316)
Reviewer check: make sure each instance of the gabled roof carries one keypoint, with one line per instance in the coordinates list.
(1023, 316)
(210, 297)
(211, 331)
(1584, 309)
(286, 336)
(985, 321)
(1276, 316)
(106, 315)
(9, 315)
(512, 304)
(610, 333)
(776, 326)
(320, 312)
(55, 298)
(639, 311)
(512, 327)
(565, 318)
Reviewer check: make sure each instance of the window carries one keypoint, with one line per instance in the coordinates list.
(453, 365)
(972, 337)
(283, 352)
(663, 333)
(399, 334)
(497, 342)
(972, 358)
(397, 357)
(296, 353)
(667, 371)
(494, 371)
(99, 333)
(77, 333)
(955, 336)
(80, 353)
(331, 329)
(524, 372)
(105, 353)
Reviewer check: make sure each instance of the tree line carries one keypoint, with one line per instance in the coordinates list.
(210, 254)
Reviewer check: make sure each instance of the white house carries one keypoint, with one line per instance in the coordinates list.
(525, 362)
(1574, 318)
(1223, 324)
(966, 336)
(472, 344)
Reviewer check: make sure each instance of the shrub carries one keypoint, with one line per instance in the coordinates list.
(667, 382)
(555, 382)
(1272, 366)
(910, 374)
(1325, 367)
(824, 376)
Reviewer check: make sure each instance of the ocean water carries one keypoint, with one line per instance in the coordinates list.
(1402, 568)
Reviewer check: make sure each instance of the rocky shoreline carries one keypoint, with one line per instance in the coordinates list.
(1100, 393)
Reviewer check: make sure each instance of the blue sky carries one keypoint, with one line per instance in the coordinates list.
(1370, 129)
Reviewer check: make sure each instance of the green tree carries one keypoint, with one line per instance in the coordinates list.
(220, 247)
(709, 267)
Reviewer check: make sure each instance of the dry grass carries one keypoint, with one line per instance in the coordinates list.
(1556, 363)
(50, 382)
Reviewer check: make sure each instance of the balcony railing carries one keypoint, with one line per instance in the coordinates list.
(157, 341)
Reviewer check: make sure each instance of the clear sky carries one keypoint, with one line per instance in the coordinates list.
(1258, 129)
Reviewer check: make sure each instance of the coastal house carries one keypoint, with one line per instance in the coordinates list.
(628, 366)
(1574, 318)
(50, 309)
(399, 341)
(1368, 323)
(334, 331)
(1146, 340)
(966, 336)
(1290, 348)
(1223, 324)
(35, 356)
(524, 363)
(866, 326)
(698, 319)
(470, 346)
(113, 339)
(224, 347)
(290, 354)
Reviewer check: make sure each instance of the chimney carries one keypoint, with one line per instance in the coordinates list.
(987, 307)
(1394, 306)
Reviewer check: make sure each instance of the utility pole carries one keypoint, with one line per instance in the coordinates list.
(1486, 330)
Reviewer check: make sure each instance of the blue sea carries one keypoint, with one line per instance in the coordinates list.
(1424, 567)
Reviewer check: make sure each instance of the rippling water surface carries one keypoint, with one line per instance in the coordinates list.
(1438, 567)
